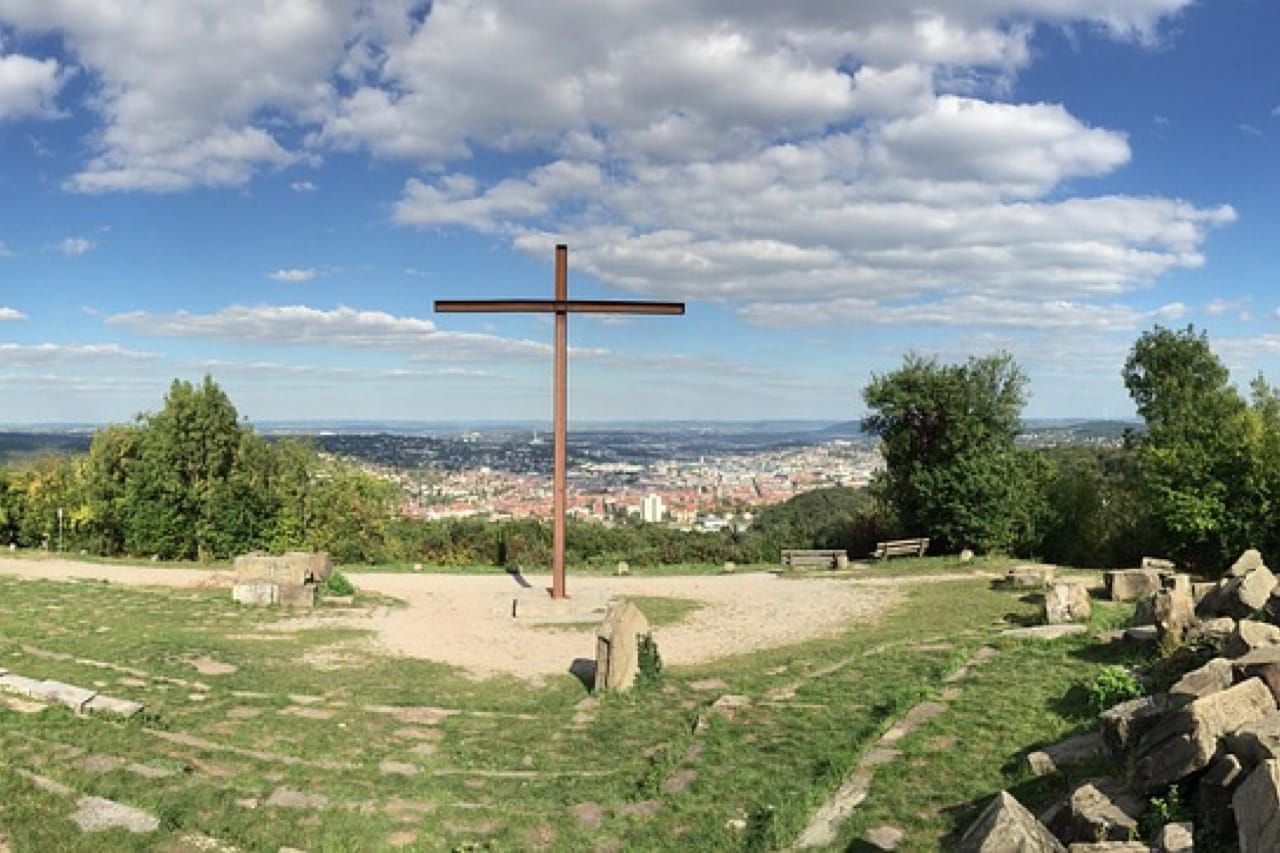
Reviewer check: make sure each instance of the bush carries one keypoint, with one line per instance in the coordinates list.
(1112, 685)
(650, 674)
(337, 584)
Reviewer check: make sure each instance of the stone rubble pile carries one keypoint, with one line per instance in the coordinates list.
(1215, 734)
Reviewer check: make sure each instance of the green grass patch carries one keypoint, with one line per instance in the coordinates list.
(504, 763)
(662, 610)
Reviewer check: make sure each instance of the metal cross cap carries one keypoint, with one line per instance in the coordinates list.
(562, 306)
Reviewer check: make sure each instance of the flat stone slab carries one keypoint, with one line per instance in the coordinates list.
(287, 798)
(73, 697)
(96, 814)
(911, 721)
(1045, 632)
(1071, 752)
(110, 705)
(20, 684)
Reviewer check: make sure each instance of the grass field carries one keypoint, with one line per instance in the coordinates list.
(260, 740)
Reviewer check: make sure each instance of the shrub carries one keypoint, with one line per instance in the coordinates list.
(650, 662)
(1111, 685)
(337, 584)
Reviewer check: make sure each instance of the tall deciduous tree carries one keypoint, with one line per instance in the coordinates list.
(1199, 462)
(193, 472)
(952, 471)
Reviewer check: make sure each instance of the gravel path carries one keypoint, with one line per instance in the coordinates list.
(465, 620)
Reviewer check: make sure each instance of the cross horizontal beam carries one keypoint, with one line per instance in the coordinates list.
(556, 306)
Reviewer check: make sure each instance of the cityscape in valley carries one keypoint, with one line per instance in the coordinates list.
(692, 475)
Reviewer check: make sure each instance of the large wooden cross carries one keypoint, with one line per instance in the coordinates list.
(561, 306)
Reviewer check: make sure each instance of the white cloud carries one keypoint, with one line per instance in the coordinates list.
(791, 158)
(29, 87)
(186, 89)
(974, 311)
(343, 327)
(1240, 307)
(295, 275)
(14, 355)
(74, 247)
(1021, 150)
(261, 369)
(5, 251)
(10, 314)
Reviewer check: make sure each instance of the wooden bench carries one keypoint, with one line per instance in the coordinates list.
(900, 548)
(827, 558)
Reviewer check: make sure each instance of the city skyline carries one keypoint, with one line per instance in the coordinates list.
(275, 194)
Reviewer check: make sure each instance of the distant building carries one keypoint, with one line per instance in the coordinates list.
(652, 509)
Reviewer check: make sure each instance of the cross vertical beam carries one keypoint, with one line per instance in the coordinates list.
(561, 307)
(560, 426)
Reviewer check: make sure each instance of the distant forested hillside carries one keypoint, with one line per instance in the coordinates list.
(22, 446)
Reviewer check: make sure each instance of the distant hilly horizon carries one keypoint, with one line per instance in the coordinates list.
(448, 427)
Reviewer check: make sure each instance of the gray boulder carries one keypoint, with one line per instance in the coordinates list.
(1245, 563)
(1005, 826)
(1176, 838)
(1065, 602)
(1217, 674)
(1104, 810)
(1257, 805)
(1186, 739)
(1124, 724)
(1261, 663)
(1249, 635)
(1173, 613)
(1029, 577)
(1071, 752)
(1131, 584)
(1213, 632)
(1255, 742)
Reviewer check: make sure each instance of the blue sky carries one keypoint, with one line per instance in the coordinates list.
(274, 194)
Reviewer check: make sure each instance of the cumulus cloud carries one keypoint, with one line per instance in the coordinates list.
(790, 158)
(74, 247)
(294, 275)
(15, 355)
(183, 88)
(344, 327)
(972, 311)
(11, 314)
(29, 87)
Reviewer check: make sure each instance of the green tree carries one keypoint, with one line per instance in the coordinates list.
(952, 471)
(191, 492)
(106, 472)
(1199, 461)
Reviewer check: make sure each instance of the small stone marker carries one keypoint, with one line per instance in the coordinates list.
(618, 646)
(623, 569)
